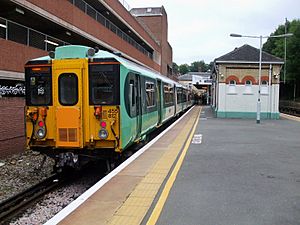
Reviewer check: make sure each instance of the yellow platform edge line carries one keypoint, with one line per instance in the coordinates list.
(165, 193)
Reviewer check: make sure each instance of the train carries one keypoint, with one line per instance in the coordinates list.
(84, 103)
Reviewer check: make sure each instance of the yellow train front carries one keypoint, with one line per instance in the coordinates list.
(62, 115)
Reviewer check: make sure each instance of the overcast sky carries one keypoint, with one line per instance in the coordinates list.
(199, 29)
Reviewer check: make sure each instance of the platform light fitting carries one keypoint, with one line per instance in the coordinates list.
(51, 42)
(21, 11)
(3, 25)
(68, 33)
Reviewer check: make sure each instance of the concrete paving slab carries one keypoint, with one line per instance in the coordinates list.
(242, 173)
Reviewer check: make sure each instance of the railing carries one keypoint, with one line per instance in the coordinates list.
(92, 12)
(12, 31)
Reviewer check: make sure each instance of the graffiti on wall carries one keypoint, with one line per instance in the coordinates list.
(10, 88)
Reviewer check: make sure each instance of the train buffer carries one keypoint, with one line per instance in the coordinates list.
(237, 172)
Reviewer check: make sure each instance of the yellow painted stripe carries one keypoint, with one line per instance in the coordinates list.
(165, 193)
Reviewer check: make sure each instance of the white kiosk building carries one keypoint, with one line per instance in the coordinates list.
(236, 84)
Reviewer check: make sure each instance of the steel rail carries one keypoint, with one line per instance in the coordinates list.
(13, 205)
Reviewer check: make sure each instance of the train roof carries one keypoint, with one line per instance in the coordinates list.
(79, 51)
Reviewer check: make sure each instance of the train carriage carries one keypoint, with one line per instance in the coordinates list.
(81, 104)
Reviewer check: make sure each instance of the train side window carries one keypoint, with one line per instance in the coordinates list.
(179, 95)
(168, 95)
(104, 84)
(68, 89)
(150, 94)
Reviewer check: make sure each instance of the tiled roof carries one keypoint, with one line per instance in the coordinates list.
(247, 53)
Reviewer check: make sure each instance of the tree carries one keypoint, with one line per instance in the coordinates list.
(275, 46)
(175, 68)
(198, 66)
(184, 68)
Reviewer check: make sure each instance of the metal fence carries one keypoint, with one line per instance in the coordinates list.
(16, 32)
(92, 12)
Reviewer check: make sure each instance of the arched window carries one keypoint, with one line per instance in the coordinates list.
(248, 83)
(264, 90)
(248, 87)
(232, 87)
(232, 82)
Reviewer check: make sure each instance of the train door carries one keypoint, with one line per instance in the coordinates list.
(68, 78)
(159, 101)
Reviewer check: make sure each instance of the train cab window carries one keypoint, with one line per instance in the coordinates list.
(38, 86)
(104, 84)
(150, 93)
(68, 89)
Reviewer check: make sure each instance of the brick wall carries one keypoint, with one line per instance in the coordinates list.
(12, 136)
(71, 14)
(13, 56)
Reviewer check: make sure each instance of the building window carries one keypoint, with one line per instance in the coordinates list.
(264, 88)
(232, 87)
(248, 88)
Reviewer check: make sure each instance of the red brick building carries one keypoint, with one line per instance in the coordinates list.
(31, 28)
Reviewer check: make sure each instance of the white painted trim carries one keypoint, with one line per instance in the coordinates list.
(82, 198)
(148, 14)
(10, 75)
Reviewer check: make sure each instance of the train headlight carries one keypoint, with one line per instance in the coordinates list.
(41, 133)
(103, 134)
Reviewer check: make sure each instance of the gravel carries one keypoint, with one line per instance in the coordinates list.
(21, 171)
(55, 201)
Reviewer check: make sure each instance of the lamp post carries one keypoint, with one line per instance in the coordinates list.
(258, 109)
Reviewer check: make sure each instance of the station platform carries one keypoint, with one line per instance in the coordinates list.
(204, 170)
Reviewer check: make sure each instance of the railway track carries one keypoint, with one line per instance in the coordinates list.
(289, 107)
(16, 204)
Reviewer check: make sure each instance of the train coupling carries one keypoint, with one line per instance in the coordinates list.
(67, 159)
